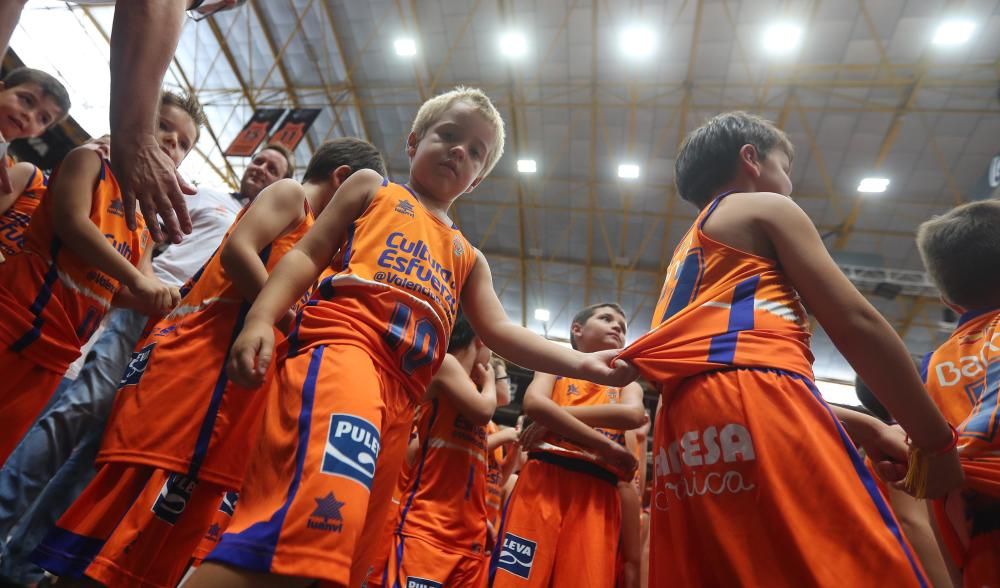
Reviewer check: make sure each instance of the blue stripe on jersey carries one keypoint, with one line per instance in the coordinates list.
(41, 300)
(420, 466)
(399, 562)
(866, 478)
(221, 383)
(722, 349)
(208, 423)
(253, 548)
(495, 556)
(687, 285)
(925, 365)
(65, 553)
(713, 206)
(293, 337)
(349, 246)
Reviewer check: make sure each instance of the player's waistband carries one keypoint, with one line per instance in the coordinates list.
(575, 465)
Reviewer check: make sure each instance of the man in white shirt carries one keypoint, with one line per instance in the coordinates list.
(55, 459)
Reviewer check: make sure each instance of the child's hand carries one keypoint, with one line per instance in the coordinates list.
(618, 457)
(482, 373)
(944, 474)
(157, 297)
(598, 367)
(251, 354)
(886, 446)
(531, 436)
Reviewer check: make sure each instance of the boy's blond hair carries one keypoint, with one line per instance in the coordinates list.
(189, 104)
(431, 111)
(961, 251)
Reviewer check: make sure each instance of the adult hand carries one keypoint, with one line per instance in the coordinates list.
(145, 173)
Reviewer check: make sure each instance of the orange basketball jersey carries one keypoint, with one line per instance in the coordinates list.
(963, 382)
(396, 294)
(444, 501)
(51, 299)
(15, 219)
(494, 483)
(719, 308)
(204, 426)
(571, 392)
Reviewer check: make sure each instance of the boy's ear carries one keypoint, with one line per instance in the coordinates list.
(411, 145)
(958, 309)
(473, 185)
(576, 329)
(340, 175)
(750, 159)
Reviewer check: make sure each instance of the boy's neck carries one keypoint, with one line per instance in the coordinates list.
(436, 206)
(318, 195)
(740, 184)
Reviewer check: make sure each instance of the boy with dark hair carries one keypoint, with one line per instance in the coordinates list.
(440, 532)
(31, 101)
(961, 251)
(735, 501)
(566, 501)
(196, 448)
(79, 259)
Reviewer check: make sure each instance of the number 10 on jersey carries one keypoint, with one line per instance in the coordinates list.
(420, 340)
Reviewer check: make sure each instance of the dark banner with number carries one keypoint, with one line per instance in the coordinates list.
(254, 132)
(294, 127)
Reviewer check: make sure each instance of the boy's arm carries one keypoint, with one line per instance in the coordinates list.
(452, 381)
(72, 197)
(540, 408)
(628, 414)
(859, 332)
(276, 208)
(297, 270)
(526, 348)
(19, 176)
(124, 298)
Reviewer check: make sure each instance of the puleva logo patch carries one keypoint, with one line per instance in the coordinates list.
(352, 446)
(173, 498)
(228, 504)
(136, 366)
(517, 555)
(413, 582)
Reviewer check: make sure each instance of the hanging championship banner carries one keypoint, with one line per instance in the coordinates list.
(294, 127)
(246, 143)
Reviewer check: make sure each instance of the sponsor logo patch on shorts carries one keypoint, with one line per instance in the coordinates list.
(413, 582)
(228, 504)
(352, 446)
(173, 498)
(516, 555)
(136, 366)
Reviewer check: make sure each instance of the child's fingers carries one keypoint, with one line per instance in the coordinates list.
(264, 353)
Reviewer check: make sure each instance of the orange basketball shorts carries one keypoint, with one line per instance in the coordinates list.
(416, 563)
(24, 389)
(560, 527)
(132, 525)
(220, 522)
(327, 447)
(757, 484)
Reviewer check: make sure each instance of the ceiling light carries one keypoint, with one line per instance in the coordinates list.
(873, 185)
(541, 314)
(638, 42)
(954, 32)
(526, 166)
(405, 47)
(628, 170)
(782, 38)
(513, 44)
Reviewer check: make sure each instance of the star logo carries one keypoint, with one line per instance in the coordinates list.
(573, 390)
(214, 531)
(405, 207)
(328, 507)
